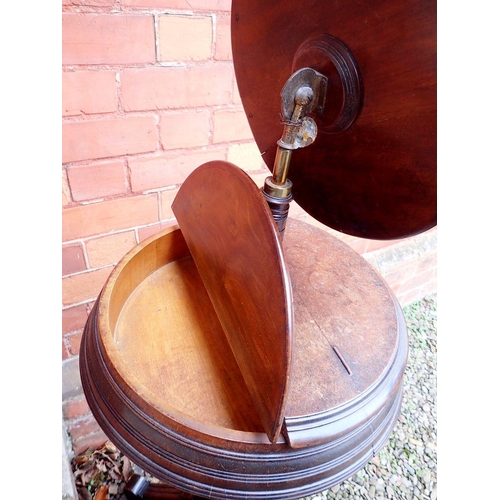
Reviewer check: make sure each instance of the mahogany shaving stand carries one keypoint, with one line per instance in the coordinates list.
(241, 355)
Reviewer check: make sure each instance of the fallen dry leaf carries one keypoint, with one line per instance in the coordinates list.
(127, 468)
(83, 493)
(102, 493)
(101, 474)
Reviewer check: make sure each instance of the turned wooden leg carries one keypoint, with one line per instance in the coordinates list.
(138, 487)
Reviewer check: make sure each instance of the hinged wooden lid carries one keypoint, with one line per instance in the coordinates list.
(372, 170)
(233, 239)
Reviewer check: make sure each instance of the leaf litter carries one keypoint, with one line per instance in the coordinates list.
(101, 474)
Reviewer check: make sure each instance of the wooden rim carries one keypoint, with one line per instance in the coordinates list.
(220, 463)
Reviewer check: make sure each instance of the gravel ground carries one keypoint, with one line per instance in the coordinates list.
(405, 468)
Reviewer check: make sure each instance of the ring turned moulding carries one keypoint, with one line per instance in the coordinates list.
(232, 358)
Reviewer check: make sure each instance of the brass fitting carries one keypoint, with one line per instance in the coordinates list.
(304, 92)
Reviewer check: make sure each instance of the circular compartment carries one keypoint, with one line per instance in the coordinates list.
(162, 383)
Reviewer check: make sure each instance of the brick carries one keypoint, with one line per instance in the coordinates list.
(109, 250)
(426, 242)
(93, 139)
(184, 38)
(167, 198)
(71, 382)
(259, 177)
(158, 172)
(351, 240)
(372, 245)
(82, 427)
(74, 318)
(430, 287)
(246, 156)
(146, 232)
(231, 125)
(236, 93)
(108, 216)
(72, 259)
(107, 39)
(90, 3)
(66, 194)
(75, 408)
(427, 262)
(398, 278)
(223, 50)
(89, 182)
(85, 286)
(87, 92)
(92, 441)
(74, 340)
(224, 5)
(296, 211)
(185, 129)
(421, 277)
(346, 238)
(174, 88)
(396, 255)
(65, 350)
(406, 297)
(359, 245)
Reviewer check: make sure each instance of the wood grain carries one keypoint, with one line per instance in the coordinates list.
(203, 444)
(348, 321)
(377, 179)
(172, 341)
(234, 242)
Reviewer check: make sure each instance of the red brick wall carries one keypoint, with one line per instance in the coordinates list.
(149, 94)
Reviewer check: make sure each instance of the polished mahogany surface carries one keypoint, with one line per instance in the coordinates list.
(162, 381)
(349, 350)
(234, 242)
(372, 170)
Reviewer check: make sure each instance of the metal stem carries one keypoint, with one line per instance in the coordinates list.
(277, 189)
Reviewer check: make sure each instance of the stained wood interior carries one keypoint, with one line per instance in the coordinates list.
(168, 344)
(170, 337)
